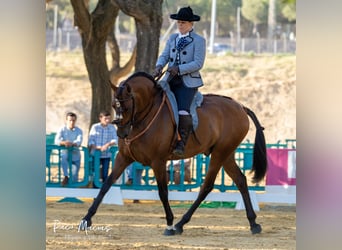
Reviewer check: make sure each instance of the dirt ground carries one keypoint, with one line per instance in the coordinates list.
(141, 226)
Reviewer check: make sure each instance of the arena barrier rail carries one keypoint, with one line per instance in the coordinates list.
(54, 172)
(184, 176)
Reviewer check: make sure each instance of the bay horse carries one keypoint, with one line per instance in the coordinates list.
(147, 134)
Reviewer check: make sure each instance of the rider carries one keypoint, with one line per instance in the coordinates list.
(185, 53)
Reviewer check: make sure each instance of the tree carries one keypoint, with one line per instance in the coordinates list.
(64, 11)
(255, 11)
(289, 10)
(148, 19)
(225, 16)
(97, 29)
(94, 28)
(289, 2)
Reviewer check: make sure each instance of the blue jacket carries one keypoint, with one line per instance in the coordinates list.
(191, 58)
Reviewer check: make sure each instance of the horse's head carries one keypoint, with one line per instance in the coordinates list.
(131, 97)
(124, 105)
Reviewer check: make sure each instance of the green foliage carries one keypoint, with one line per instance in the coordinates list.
(255, 11)
(226, 16)
(64, 11)
(289, 11)
(252, 12)
(289, 2)
(225, 13)
(251, 54)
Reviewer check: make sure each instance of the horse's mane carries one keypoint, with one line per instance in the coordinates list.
(144, 74)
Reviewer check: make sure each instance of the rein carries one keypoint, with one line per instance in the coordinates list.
(128, 141)
(160, 76)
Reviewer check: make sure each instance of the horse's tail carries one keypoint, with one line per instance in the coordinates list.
(259, 151)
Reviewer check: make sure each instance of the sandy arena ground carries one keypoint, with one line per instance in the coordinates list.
(141, 226)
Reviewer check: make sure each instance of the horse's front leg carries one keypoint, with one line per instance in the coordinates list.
(159, 170)
(119, 166)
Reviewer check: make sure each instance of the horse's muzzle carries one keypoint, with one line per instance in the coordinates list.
(122, 133)
(116, 121)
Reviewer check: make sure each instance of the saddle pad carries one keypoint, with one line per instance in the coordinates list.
(196, 102)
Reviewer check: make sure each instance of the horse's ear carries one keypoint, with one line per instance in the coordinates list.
(114, 88)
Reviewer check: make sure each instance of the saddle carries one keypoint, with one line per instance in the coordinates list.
(196, 102)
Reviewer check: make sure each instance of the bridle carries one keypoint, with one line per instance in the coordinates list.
(119, 117)
(120, 108)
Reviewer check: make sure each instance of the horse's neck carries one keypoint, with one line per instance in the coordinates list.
(146, 114)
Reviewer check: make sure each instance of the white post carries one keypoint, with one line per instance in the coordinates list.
(68, 40)
(59, 44)
(271, 23)
(238, 32)
(258, 42)
(55, 17)
(284, 43)
(232, 41)
(212, 26)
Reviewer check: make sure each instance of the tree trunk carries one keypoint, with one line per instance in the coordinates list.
(148, 19)
(95, 60)
(94, 29)
(97, 28)
(147, 46)
(116, 71)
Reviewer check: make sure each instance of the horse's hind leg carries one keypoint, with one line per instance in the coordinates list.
(239, 179)
(206, 188)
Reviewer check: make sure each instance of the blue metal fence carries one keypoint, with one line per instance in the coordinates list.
(54, 172)
(89, 175)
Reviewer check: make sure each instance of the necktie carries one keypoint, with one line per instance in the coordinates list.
(182, 42)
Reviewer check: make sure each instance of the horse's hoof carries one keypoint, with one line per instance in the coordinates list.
(178, 230)
(169, 232)
(84, 224)
(256, 229)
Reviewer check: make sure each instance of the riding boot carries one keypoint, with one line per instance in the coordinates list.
(184, 129)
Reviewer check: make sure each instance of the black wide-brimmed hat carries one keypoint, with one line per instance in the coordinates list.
(185, 14)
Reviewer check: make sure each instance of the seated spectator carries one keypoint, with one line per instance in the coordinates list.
(102, 136)
(70, 136)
